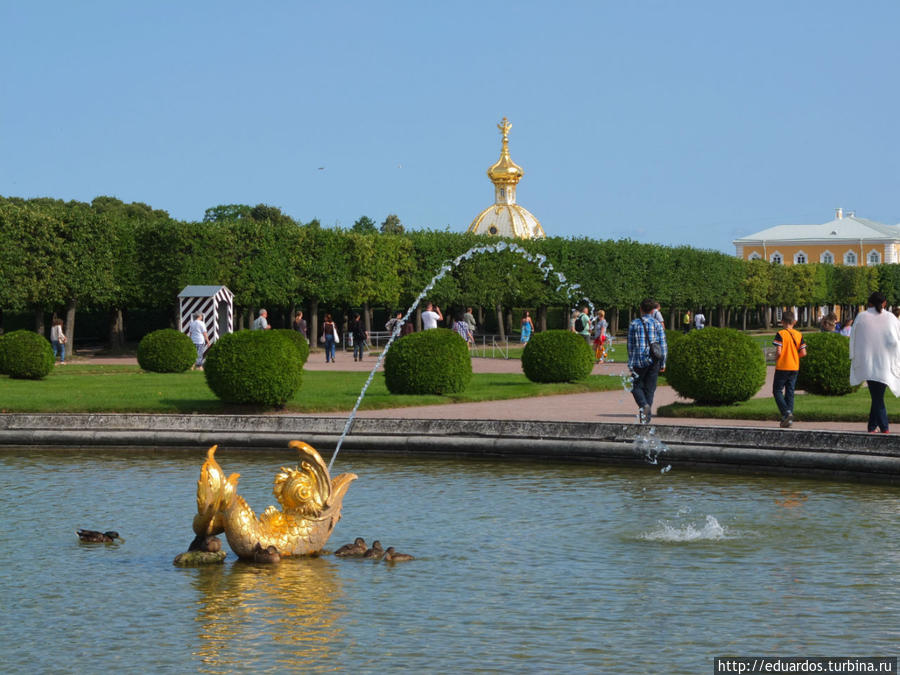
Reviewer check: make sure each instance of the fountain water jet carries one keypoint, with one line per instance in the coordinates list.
(537, 259)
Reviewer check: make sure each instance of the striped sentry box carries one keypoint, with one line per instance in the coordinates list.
(216, 303)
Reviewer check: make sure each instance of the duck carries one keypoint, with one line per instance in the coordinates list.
(375, 552)
(94, 536)
(392, 556)
(266, 555)
(357, 548)
(208, 544)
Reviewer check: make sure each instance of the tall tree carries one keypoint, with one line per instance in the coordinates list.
(392, 225)
(364, 225)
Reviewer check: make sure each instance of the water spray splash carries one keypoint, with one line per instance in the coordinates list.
(539, 260)
(649, 444)
(711, 530)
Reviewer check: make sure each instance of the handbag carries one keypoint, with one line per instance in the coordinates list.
(322, 339)
(337, 338)
(655, 348)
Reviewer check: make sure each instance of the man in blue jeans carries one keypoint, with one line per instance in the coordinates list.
(645, 368)
(789, 349)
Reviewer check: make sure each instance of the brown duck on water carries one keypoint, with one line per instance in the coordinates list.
(94, 536)
(392, 556)
(269, 554)
(375, 552)
(357, 548)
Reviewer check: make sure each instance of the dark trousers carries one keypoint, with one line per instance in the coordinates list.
(878, 417)
(783, 390)
(644, 384)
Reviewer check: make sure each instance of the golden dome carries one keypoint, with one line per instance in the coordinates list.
(504, 170)
(505, 218)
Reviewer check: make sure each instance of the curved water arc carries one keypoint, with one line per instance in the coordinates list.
(539, 260)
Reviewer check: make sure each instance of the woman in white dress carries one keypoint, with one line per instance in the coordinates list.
(875, 357)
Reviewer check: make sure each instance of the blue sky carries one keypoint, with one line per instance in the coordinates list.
(671, 122)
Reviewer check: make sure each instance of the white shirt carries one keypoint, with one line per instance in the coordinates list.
(875, 349)
(197, 331)
(260, 323)
(430, 319)
(699, 320)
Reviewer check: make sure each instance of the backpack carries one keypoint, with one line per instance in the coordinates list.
(579, 324)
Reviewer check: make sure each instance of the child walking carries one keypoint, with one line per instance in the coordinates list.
(789, 349)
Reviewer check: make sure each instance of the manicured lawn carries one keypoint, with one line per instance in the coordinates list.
(807, 407)
(111, 388)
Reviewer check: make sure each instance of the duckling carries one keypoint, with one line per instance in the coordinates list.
(357, 548)
(392, 556)
(98, 537)
(209, 544)
(266, 555)
(375, 552)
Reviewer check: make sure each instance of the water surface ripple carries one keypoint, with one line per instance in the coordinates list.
(527, 566)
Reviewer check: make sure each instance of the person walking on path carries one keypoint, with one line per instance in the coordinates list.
(875, 357)
(600, 336)
(199, 336)
(329, 338)
(686, 322)
(299, 325)
(470, 319)
(394, 323)
(461, 326)
(789, 349)
(583, 325)
(699, 320)
(647, 352)
(431, 316)
(527, 328)
(262, 321)
(58, 341)
(360, 337)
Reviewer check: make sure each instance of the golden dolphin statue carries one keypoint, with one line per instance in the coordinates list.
(310, 500)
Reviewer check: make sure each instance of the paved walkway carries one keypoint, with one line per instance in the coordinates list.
(607, 406)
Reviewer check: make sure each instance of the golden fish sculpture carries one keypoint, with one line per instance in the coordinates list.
(310, 500)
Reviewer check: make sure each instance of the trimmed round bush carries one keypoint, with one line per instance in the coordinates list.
(434, 361)
(295, 338)
(166, 351)
(26, 355)
(716, 366)
(825, 369)
(254, 366)
(557, 356)
(673, 337)
(2, 354)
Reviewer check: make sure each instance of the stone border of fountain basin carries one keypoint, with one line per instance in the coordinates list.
(871, 457)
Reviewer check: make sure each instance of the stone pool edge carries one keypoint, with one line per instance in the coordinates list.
(830, 454)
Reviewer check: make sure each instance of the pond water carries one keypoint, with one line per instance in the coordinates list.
(532, 567)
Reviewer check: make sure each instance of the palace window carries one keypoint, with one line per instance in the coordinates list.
(874, 258)
(755, 256)
(849, 258)
(827, 258)
(800, 258)
(776, 259)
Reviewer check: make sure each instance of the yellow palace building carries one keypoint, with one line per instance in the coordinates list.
(846, 240)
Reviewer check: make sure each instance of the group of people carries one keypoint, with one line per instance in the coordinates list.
(874, 347)
(830, 324)
(697, 321)
(594, 330)
(874, 358)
